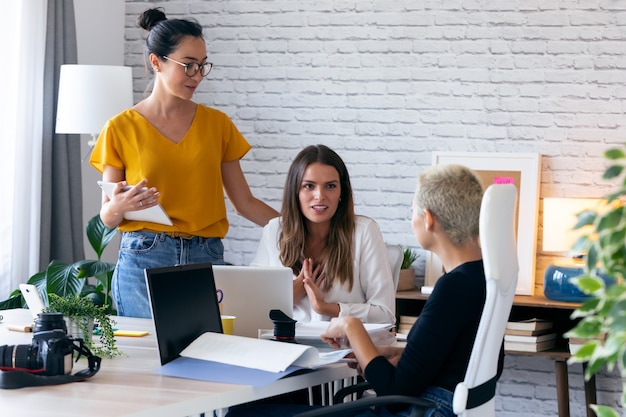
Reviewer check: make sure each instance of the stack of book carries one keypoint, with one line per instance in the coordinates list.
(406, 322)
(532, 335)
(575, 343)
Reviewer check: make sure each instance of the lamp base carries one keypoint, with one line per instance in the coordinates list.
(558, 285)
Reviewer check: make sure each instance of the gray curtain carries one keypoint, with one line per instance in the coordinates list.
(61, 200)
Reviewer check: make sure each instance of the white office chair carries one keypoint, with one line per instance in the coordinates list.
(475, 395)
(396, 255)
(499, 249)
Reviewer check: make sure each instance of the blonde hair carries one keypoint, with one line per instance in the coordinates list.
(453, 194)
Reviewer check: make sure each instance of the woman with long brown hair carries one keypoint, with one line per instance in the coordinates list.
(339, 259)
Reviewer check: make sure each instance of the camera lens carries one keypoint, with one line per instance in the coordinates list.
(19, 356)
(50, 321)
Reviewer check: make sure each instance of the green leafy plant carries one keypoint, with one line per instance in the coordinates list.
(603, 315)
(84, 312)
(72, 280)
(408, 257)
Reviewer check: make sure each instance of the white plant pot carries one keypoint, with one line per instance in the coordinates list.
(74, 327)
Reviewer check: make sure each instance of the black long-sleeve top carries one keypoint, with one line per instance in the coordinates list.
(440, 342)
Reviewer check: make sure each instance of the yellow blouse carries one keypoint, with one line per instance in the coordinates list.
(187, 174)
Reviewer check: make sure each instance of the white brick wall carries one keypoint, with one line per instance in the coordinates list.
(385, 83)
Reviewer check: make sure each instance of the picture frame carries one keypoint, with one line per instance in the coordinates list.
(521, 169)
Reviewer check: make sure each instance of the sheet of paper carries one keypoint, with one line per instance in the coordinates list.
(310, 333)
(316, 328)
(323, 358)
(266, 355)
(220, 372)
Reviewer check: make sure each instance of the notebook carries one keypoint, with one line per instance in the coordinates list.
(184, 305)
(154, 214)
(250, 292)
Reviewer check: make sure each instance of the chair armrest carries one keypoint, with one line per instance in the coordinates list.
(358, 388)
(339, 409)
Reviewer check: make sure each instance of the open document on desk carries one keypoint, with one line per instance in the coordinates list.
(231, 359)
(310, 334)
(380, 333)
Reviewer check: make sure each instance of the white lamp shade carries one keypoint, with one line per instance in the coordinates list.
(560, 217)
(89, 95)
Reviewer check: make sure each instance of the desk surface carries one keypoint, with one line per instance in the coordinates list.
(128, 386)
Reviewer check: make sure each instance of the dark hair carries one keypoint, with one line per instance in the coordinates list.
(338, 253)
(164, 34)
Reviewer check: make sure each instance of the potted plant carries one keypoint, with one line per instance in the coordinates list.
(407, 272)
(603, 315)
(66, 289)
(80, 314)
(70, 280)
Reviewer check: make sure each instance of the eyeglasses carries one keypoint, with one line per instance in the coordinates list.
(193, 68)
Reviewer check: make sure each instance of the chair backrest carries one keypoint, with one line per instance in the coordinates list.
(499, 251)
(396, 255)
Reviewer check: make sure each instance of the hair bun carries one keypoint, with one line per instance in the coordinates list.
(149, 18)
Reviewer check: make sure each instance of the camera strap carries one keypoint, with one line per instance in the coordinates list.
(20, 378)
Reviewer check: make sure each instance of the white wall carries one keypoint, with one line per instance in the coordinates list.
(100, 41)
(386, 83)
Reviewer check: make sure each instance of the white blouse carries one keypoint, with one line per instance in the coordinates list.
(372, 297)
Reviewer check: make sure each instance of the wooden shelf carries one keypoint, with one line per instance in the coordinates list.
(541, 301)
(410, 303)
(520, 300)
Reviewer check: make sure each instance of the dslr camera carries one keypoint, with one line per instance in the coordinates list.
(50, 352)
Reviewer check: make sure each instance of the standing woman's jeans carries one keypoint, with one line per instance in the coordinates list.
(140, 250)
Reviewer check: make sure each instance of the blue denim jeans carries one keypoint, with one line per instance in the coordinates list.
(443, 399)
(141, 250)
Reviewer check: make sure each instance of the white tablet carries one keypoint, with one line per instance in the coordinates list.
(154, 214)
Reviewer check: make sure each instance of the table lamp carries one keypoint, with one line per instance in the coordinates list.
(559, 219)
(89, 95)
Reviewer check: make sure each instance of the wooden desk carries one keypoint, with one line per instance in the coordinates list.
(128, 386)
(527, 307)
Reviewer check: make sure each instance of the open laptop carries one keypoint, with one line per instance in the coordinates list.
(184, 305)
(250, 292)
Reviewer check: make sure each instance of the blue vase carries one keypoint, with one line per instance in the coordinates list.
(558, 284)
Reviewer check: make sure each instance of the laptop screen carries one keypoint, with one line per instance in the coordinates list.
(184, 305)
(250, 292)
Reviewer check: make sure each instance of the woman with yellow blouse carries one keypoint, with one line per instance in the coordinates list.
(177, 153)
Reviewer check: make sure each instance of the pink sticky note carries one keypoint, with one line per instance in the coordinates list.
(503, 180)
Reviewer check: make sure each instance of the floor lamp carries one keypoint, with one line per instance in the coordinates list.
(89, 95)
